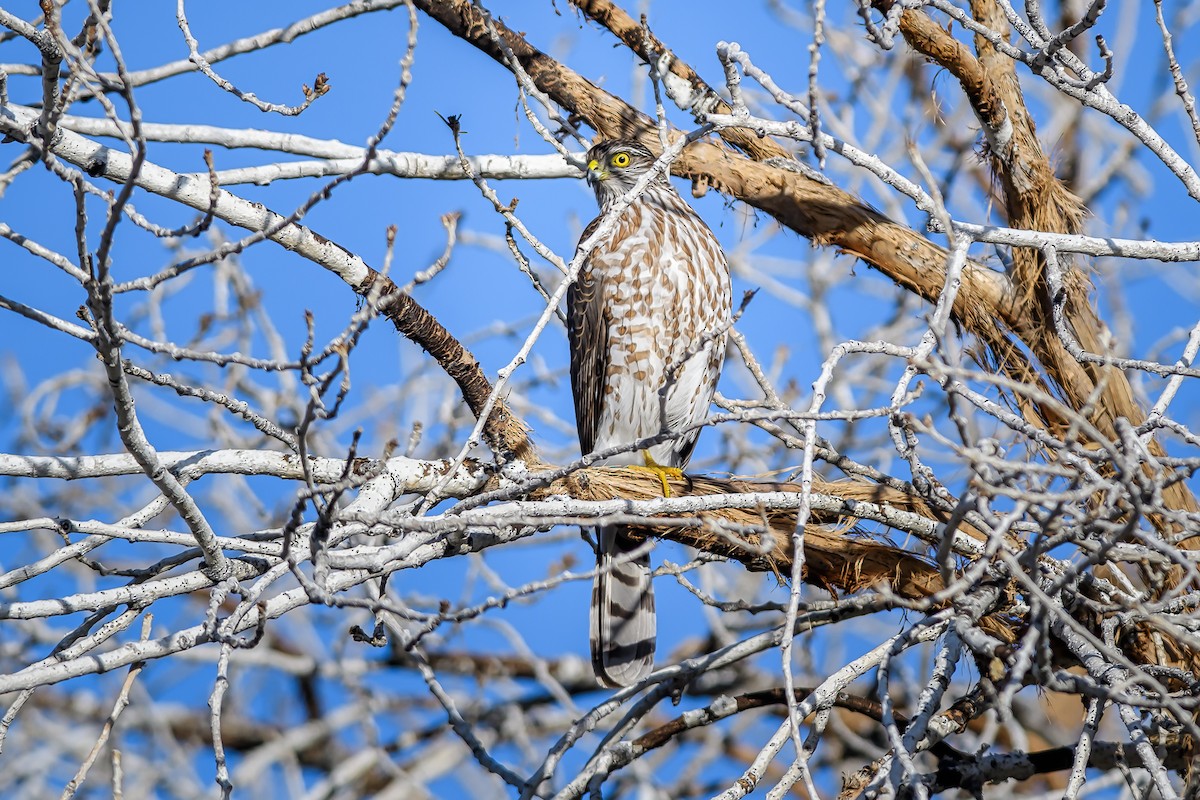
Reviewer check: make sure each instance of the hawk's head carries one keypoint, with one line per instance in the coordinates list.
(614, 166)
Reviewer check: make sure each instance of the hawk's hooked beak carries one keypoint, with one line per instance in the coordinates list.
(594, 173)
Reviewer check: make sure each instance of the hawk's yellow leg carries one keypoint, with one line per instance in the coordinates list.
(659, 470)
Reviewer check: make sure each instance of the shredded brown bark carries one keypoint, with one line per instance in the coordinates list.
(504, 432)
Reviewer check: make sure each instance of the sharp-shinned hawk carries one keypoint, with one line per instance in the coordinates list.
(646, 316)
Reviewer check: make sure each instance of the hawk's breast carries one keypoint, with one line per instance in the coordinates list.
(662, 287)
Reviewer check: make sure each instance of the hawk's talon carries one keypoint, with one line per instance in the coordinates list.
(658, 469)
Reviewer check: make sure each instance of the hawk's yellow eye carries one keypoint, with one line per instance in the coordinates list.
(620, 160)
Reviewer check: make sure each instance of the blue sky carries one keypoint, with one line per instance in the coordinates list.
(479, 288)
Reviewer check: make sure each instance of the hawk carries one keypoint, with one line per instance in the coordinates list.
(646, 317)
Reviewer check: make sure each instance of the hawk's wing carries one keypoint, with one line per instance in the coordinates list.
(587, 334)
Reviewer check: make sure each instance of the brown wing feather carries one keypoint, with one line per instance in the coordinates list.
(623, 624)
(587, 335)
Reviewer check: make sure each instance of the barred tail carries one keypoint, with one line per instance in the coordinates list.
(623, 621)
